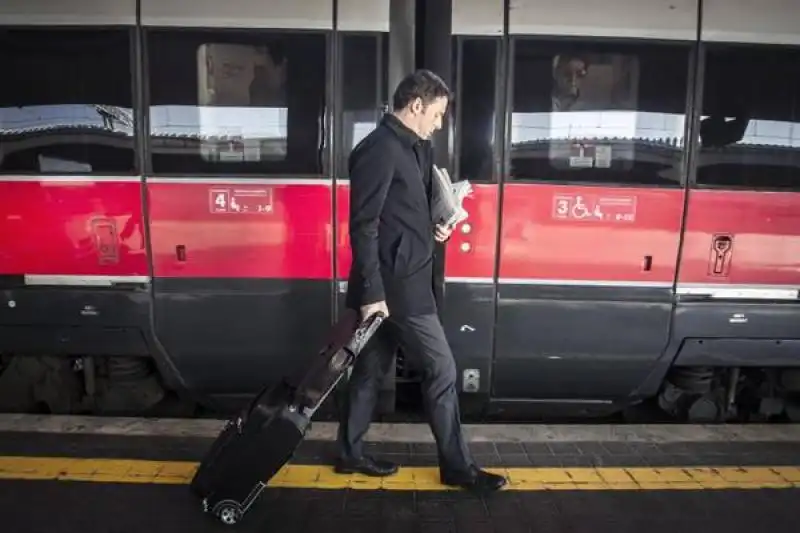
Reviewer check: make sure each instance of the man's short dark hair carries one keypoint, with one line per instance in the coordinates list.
(422, 84)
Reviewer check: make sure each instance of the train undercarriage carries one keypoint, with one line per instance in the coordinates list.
(727, 394)
(86, 385)
(132, 386)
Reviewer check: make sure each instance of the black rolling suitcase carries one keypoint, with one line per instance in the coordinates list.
(253, 446)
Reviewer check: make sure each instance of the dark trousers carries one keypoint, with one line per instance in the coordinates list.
(421, 337)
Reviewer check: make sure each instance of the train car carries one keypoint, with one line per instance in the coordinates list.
(174, 199)
(634, 233)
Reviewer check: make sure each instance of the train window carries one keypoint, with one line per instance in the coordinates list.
(598, 112)
(66, 103)
(750, 123)
(476, 108)
(363, 90)
(232, 103)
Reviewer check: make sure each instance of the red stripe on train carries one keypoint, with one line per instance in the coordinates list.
(284, 230)
(79, 227)
(260, 230)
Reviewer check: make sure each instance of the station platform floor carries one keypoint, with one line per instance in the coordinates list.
(92, 475)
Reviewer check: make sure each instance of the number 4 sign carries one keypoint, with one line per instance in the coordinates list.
(219, 200)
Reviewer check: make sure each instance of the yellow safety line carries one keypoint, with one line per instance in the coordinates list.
(412, 478)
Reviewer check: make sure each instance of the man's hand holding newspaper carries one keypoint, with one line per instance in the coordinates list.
(447, 209)
(441, 232)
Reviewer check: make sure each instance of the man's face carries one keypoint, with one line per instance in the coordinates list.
(569, 75)
(429, 119)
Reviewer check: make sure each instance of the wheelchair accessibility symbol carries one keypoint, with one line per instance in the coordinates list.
(576, 208)
(594, 208)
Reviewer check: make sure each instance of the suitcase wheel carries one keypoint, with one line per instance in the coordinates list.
(228, 512)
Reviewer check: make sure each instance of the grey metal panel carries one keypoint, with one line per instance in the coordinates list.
(279, 14)
(749, 21)
(477, 17)
(363, 15)
(67, 12)
(648, 19)
(402, 42)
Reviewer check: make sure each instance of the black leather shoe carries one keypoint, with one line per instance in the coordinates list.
(366, 466)
(477, 481)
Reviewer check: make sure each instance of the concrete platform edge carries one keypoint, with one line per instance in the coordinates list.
(416, 433)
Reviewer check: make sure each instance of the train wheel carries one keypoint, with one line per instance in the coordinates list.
(46, 384)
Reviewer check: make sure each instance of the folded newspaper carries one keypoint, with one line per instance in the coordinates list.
(448, 198)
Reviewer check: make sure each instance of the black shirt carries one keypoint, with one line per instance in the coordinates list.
(391, 233)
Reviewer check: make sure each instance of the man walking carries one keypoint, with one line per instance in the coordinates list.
(392, 239)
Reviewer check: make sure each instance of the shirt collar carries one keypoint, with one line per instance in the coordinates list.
(401, 130)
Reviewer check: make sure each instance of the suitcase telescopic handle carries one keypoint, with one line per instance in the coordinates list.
(365, 330)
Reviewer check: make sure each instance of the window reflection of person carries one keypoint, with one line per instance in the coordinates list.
(266, 90)
(259, 86)
(568, 73)
(726, 122)
(267, 85)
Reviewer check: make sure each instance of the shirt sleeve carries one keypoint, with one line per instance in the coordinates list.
(370, 176)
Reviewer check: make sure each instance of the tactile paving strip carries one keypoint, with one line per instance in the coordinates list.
(413, 478)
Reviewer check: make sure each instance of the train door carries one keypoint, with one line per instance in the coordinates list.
(469, 297)
(239, 187)
(740, 264)
(361, 96)
(593, 195)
